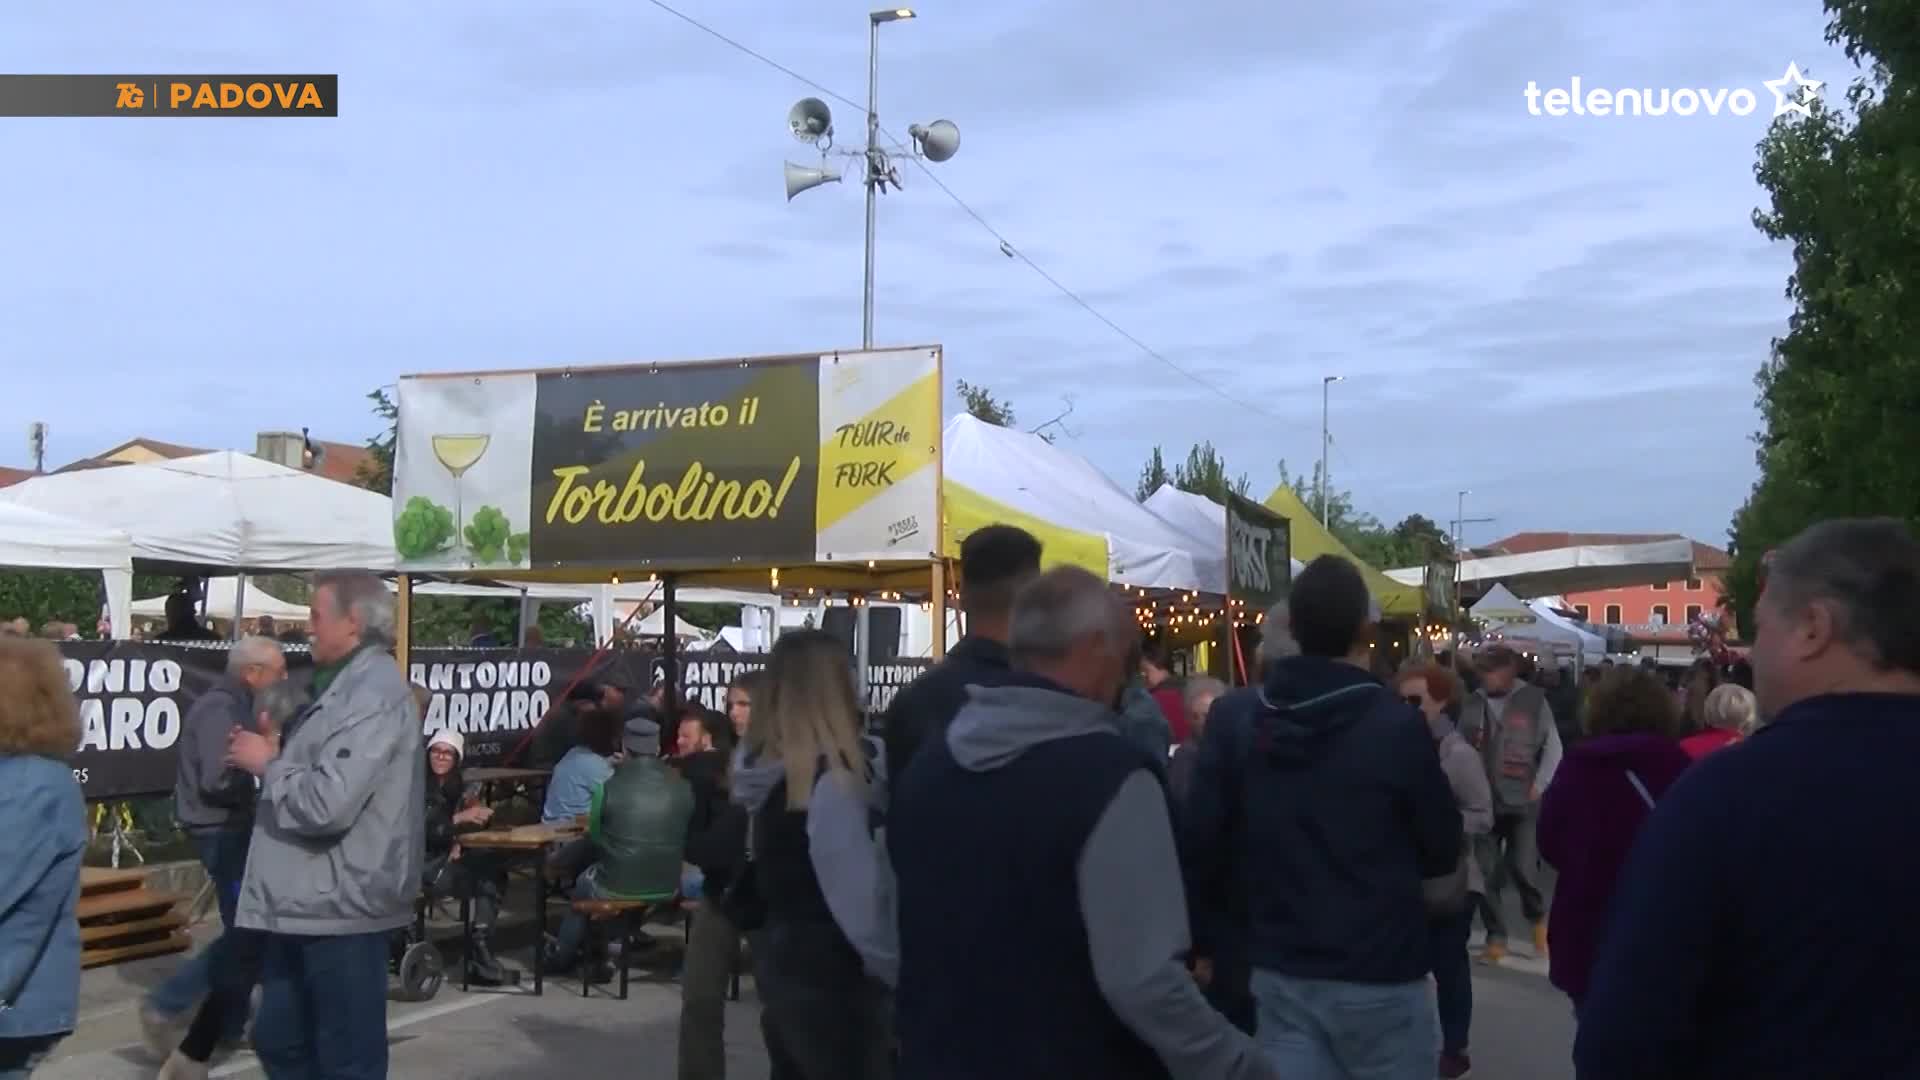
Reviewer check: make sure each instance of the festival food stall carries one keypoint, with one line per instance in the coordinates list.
(818, 471)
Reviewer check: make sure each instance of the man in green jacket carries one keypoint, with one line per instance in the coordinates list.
(638, 827)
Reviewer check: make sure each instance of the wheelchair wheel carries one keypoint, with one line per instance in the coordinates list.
(421, 972)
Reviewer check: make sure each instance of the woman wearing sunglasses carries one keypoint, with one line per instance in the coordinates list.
(1436, 692)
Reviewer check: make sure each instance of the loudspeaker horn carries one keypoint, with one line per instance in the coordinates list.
(938, 141)
(800, 178)
(810, 120)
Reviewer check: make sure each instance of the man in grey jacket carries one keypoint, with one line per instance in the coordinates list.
(213, 802)
(1035, 840)
(338, 842)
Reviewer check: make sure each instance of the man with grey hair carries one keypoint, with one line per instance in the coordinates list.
(338, 842)
(1033, 838)
(213, 803)
(1728, 951)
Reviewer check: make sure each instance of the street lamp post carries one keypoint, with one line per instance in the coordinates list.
(812, 122)
(1326, 486)
(1460, 517)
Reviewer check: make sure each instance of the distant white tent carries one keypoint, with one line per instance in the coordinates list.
(1533, 623)
(1575, 569)
(38, 540)
(223, 511)
(221, 593)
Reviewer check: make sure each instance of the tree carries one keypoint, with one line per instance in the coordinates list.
(1205, 473)
(1838, 394)
(982, 405)
(376, 473)
(1362, 533)
(1153, 477)
(1418, 540)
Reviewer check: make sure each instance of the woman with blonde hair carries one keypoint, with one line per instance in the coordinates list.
(815, 891)
(1728, 715)
(45, 819)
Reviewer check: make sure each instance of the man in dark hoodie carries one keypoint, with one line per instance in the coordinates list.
(1734, 946)
(994, 563)
(1043, 933)
(1322, 799)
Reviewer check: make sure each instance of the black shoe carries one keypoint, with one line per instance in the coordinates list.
(483, 969)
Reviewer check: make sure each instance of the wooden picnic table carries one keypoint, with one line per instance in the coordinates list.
(522, 837)
(488, 774)
(519, 842)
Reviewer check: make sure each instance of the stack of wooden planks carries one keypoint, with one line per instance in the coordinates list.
(121, 919)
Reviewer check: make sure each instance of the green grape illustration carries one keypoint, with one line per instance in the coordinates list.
(423, 528)
(487, 535)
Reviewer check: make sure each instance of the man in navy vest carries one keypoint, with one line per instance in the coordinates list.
(995, 562)
(1321, 799)
(1043, 930)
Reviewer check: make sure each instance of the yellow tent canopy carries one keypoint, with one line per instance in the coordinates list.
(967, 510)
(1310, 541)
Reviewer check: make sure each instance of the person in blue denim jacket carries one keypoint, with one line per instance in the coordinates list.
(45, 819)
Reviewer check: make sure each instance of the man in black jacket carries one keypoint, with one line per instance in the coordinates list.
(214, 804)
(994, 563)
(717, 845)
(1321, 801)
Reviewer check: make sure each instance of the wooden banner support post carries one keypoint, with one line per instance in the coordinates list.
(402, 619)
(937, 606)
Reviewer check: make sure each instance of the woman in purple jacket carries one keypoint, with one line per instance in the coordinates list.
(1605, 789)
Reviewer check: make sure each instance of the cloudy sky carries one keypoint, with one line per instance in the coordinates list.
(1563, 314)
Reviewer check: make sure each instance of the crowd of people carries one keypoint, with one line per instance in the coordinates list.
(1053, 858)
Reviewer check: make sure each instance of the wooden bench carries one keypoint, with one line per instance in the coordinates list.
(631, 914)
(121, 919)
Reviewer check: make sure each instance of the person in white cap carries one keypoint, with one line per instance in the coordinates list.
(449, 871)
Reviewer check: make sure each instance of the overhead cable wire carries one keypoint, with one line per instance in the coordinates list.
(1007, 247)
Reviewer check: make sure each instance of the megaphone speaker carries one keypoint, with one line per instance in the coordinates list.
(810, 119)
(800, 178)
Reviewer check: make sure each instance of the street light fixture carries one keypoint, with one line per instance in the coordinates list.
(1326, 487)
(812, 122)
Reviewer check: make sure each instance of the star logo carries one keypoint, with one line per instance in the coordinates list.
(1794, 92)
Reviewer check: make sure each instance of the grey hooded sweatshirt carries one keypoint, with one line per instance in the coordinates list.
(849, 859)
(1132, 899)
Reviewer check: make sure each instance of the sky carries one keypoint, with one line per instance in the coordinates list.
(1562, 314)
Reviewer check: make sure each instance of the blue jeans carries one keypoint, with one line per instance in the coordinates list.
(223, 853)
(323, 1007)
(1318, 1029)
(573, 928)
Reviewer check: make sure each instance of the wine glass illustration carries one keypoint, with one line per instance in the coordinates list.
(459, 453)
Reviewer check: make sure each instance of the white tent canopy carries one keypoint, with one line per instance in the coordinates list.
(1524, 622)
(1031, 475)
(37, 540)
(1202, 519)
(221, 593)
(1575, 569)
(224, 510)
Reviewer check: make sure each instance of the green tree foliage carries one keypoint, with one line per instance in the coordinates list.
(1153, 477)
(1415, 541)
(982, 405)
(1840, 392)
(1203, 473)
(73, 596)
(376, 473)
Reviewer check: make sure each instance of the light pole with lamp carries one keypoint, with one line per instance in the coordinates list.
(811, 121)
(1326, 487)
